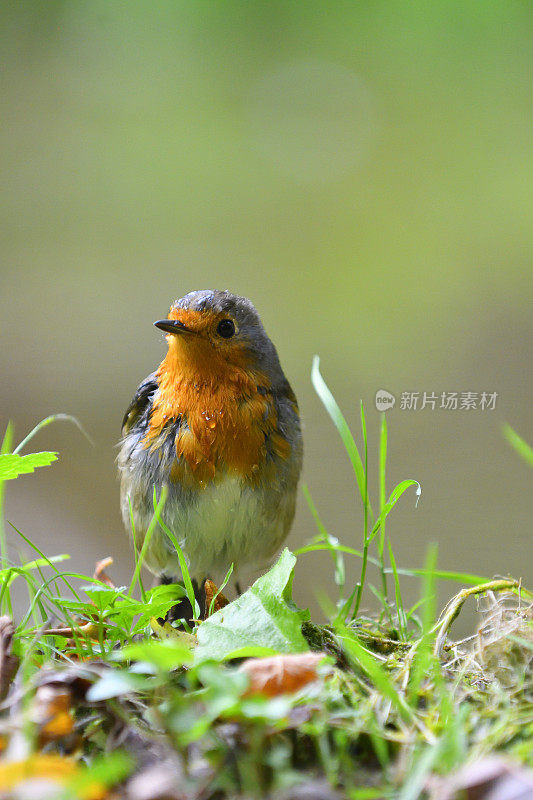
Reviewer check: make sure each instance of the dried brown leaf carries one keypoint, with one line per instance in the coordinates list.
(275, 675)
(52, 708)
(51, 770)
(8, 662)
(86, 629)
(77, 677)
(491, 778)
(221, 600)
(100, 571)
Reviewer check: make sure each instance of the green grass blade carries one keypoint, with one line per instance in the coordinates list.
(365, 443)
(47, 421)
(517, 443)
(382, 500)
(181, 558)
(5, 448)
(402, 621)
(9, 575)
(329, 541)
(56, 602)
(445, 575)
(219, 590)
(47, 561)
(379, 677)
(395, 495)
(316, 547)
(344, 608)
(7, 441)
(414, 785)
(320, 525)
(519, 640)
(424, 652)
(340, 423)
(366, 539)
(415, 572)
(147, 538)
(135, 552)
(368, 793)
(381, 748)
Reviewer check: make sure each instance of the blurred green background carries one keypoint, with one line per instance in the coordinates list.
(361, 170)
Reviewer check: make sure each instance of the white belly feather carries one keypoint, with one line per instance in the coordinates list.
(229, 523)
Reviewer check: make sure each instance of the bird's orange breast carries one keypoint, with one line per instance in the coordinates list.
(226, 412)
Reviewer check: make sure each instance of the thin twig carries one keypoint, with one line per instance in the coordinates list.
(455, 605)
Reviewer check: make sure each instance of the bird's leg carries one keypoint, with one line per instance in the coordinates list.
(183, 609)
(166, 580)
(199, 594)
(238, 588)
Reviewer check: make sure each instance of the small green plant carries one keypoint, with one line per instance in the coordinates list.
(348, 607)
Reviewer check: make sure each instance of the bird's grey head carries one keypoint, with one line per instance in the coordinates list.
(230, 323)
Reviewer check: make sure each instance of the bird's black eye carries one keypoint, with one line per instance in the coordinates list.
(226, 328)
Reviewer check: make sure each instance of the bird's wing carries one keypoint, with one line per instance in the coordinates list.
(140, 403)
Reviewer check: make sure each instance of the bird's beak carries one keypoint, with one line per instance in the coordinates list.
(172, 326)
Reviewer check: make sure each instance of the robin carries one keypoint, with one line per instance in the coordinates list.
(218, 424)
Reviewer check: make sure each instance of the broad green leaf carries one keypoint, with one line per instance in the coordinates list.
(165, 632)
(264, 619)
(107, 769)
(114, 683)
(102, 596)
(165, 654)
(12, 465)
